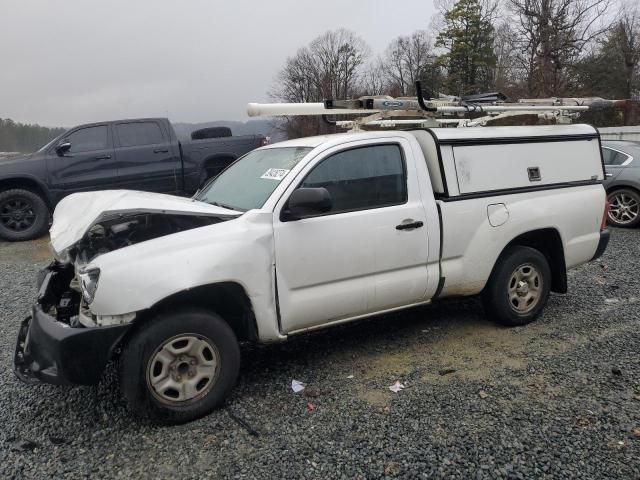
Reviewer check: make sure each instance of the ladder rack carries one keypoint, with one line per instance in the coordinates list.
(388, 112)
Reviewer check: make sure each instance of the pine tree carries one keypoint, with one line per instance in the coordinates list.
(468, 38)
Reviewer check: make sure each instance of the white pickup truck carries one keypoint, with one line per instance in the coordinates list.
(302, 235)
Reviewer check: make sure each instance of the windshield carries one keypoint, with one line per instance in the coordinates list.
(249, 182)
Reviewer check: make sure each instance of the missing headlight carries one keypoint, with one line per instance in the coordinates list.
(89, 283)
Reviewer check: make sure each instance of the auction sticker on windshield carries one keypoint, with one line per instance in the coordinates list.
(275, 174)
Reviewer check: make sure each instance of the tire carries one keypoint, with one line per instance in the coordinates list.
(24, 215)
(624, 208)
(191, 353)
(518, 288)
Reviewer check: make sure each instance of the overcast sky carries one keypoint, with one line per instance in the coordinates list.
(75, 61)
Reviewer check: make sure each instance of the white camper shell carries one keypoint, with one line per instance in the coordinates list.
(475, 161)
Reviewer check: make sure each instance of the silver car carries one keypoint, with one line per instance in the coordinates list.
(622, 163)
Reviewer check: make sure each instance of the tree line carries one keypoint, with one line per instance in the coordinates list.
(521, 48)
(20, 137)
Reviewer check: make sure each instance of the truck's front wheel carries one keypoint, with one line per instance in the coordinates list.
(519, 286)
(180, 366)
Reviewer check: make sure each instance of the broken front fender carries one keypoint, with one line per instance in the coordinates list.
(137, 278)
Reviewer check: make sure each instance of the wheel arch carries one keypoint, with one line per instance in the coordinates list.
(548, 242)
(623, 186)
(227, 299)
(27, 183)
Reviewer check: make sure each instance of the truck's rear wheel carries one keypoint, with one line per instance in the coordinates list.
(178, 367)
(23, 215)
(519, 286)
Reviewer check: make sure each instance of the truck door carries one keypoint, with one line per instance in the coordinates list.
(368, 253)
(89, 163)
(147, 159)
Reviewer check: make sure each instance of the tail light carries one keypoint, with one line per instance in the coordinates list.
(264, 141)
(603, 224)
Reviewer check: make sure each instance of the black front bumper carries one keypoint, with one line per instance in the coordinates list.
(54, 352)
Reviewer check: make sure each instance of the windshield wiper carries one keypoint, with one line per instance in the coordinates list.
(228, 207)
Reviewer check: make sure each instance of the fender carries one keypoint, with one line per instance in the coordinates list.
(19, 180)
(237, 251)
(467, 262)
(615, 185)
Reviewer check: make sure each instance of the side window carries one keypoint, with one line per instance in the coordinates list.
(362, 178)
(89, 139)
(611, 157)
(139, 133)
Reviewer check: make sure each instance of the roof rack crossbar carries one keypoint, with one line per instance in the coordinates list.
(421, 110)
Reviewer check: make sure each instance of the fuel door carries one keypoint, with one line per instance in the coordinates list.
(498, 214)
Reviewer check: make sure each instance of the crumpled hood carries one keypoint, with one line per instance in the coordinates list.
(78, 212)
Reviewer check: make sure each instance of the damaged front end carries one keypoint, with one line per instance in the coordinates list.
(63, 341)
(53, 346)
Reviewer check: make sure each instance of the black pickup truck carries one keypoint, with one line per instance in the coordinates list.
(140, 154)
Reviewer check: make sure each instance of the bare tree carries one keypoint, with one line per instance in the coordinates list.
(373, 80)
(551, 35)
(626, 31)
(338, 56)
(406, 59)
(506, 70)
(298, 80)
(610, 67)
(330, 67)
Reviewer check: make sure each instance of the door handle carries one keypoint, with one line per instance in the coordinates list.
(409, 226)
(161, 151)
(103, 157)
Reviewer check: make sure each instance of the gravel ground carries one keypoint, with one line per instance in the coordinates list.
(556, 399)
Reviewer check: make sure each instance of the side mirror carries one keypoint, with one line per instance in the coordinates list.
(307, 202)
(63, 147)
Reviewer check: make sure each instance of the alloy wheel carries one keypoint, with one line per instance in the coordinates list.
(17, 214)
(623, 208)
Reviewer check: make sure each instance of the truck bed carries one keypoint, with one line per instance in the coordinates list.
(546, 179)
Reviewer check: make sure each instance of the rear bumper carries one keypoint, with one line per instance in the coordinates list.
(54, 352)
(602, 244)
